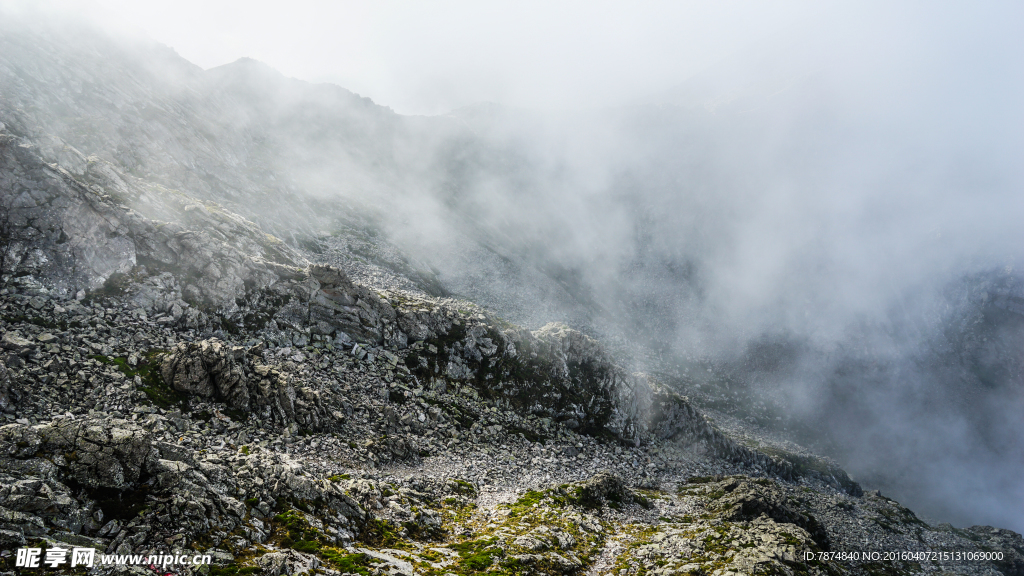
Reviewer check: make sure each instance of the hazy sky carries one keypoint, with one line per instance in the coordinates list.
(431, 57)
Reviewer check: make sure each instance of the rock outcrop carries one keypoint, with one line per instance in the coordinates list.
(107, 454)
(209, 369)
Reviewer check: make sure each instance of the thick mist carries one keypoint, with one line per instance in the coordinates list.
(829, 214)
(854, 200)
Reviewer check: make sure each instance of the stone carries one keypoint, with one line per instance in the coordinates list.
(6, 394)
(208, 368)
(745, 500)
(287, 562)
(530, 543)
(14, 342)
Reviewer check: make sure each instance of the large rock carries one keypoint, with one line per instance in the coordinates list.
(210, 369)
(287, 562)
(15, 343)
(96, 453)
(106, 453)
(747, 499)
(32, 504)
(1008, 543)
(601, 488)
(323, 300)
(233, 375)
(554, 372)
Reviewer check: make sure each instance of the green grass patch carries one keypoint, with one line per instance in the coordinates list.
(358, 563)
(477, 555)
(299, 535)
(148, 371)
(464, 488)
(382, 533)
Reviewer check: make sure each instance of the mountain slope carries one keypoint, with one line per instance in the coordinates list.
(210, 346)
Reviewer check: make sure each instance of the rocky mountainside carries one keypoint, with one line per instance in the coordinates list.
(191, 365)
(315, 165)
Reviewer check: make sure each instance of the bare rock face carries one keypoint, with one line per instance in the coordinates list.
(61, 221)
(287, 562)
(337, 302)
(96, 453)
(555, 372)
(57, 224)
(210, 369)
(107, 454)
(79, 480)
(37, 507)
(747, 499)
(604, 487)
(324, 301)
(214, 370)
(1006, 541)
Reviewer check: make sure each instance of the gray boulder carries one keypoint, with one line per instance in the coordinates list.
(601, 488)
(96, 453)
(210, 369)
(101, 453)
(745, 499)
(287, 562)
(229, 374)
(15, 343)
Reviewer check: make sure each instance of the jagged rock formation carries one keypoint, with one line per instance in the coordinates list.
(749, 500)
(108, 454)
(175, 378)
(208, 369)
(95, 455)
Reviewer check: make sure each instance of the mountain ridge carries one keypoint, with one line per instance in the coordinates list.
(163, 349)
